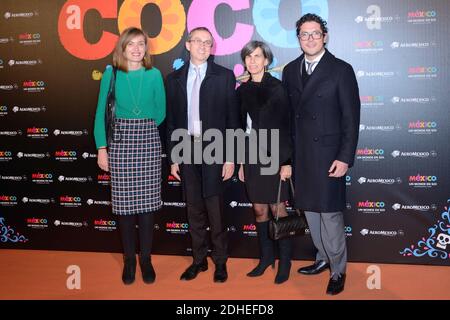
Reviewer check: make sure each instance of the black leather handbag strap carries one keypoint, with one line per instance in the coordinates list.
(112, 84)
(291, 184)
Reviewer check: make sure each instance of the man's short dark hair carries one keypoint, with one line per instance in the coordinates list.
(314, 18)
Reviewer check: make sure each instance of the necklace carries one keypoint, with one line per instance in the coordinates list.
(136, 110)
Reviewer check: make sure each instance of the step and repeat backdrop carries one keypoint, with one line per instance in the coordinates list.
(53, 54)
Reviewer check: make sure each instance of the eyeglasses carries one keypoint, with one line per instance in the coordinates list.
(198, 42)
(316, 35)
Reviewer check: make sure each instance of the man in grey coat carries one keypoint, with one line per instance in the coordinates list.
(325, 104)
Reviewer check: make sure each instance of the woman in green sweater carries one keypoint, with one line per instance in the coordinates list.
(134, 155)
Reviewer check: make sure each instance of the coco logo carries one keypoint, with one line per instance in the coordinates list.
(174, 20)
(3, 108)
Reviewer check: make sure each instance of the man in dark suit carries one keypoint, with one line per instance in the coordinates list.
(325, 103)
(201, 96)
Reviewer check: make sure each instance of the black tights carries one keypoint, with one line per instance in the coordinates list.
(127, 227)
(262, 210)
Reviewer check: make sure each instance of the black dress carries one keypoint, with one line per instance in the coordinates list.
(267, 105)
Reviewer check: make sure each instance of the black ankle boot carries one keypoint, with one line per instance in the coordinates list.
(266, 248)
(129, 270)
(284, 265)
(148, 273)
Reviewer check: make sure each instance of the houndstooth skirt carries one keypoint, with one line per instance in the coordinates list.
(135, 164)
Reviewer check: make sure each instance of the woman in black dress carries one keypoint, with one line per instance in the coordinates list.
(264, 105)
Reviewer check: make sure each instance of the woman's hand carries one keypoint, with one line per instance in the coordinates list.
(285, 172)
(102, 159)
(241, 173)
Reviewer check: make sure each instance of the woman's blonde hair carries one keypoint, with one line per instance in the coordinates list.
(119, 60)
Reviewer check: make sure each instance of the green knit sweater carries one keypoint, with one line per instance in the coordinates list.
(151, 100)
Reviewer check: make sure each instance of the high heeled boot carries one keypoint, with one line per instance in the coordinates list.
(266, 250)
(148, 273)
(129, 269)
(284, 265)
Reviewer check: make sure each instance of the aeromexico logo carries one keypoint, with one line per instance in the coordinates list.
(414, 207)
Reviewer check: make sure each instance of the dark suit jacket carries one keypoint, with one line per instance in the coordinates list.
(326, 114)
(218, 109)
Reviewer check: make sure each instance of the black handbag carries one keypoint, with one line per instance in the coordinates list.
(289, 226)
(110, 112)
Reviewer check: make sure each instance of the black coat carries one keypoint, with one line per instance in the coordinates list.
(268, 106)
(326, 114)
(218, 109)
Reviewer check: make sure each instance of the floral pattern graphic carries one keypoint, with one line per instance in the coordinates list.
(8, 234)
(437, 244)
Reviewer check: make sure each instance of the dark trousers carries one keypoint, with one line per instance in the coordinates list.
(200, 212)
(127, 227)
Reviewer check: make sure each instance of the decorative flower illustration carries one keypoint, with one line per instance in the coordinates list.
(7, 233)
(436, 244)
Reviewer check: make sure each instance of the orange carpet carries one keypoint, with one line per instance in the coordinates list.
(28, 274)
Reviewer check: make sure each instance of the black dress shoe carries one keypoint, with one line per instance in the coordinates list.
(316, 268)
(336, 286)
(193, 270)
(220, 274)
(148, 272)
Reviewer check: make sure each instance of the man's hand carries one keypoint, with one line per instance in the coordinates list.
(175, 171)
(102, 159)
(227, 170)
(338, 169)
